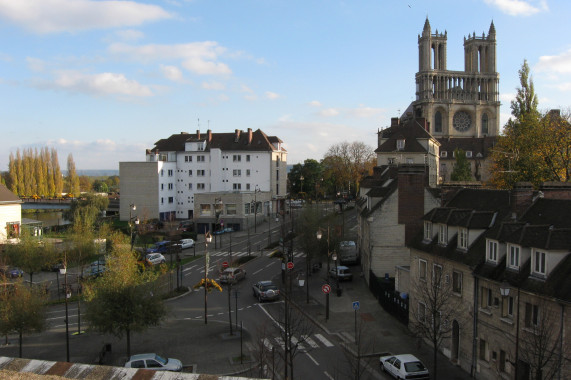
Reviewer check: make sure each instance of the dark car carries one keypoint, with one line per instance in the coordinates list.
(266, 291)
(11, 272)
(160, 247)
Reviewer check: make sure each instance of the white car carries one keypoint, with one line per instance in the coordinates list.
(154, 362)
(155, 258)
(185, 243)
(404, 366)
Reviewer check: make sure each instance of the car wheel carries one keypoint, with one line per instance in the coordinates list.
(383, 367)
(260, 299)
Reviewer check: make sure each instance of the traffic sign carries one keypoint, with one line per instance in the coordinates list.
(225, 264)
(326, 288)
(290, 265)
(356, 305)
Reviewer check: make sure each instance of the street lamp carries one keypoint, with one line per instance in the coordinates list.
(334, 258)
(63, 270)
(319, 236)
(132, 207)
(256, 191)
(207, 239)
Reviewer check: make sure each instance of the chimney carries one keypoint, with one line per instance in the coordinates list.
(209, 132)
(521, 197)
(250, 135)
(411, 182)
(394, 121)
(237, 135)
(556, 190)
(198, 134)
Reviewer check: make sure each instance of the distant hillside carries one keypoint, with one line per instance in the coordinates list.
(95, 172)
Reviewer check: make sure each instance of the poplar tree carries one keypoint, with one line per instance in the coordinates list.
(58, 180)
(72, 178)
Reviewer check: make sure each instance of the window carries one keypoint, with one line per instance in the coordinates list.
(205, 210)
(190, 186)
(463, 238)
(247, 172)
(162, 186)
(437, 122)
(171, 186)
(539, 262)
(162, 201)
(485, 123)
(531, 315)
(483, 350)
(427, 230)
(231, 209)
(442, 238)
(237, 158)
(201, 173)
(200, 186)
(170, 173)
(188, 158)
(437, 278)
(190, 173)
(508, 307)
(162, 173)
(514, 257)
(237, 173)
(171, 200)
(468, 154)
(421, 312)
(486, 298)
(502, 363)
(400, 144)
(200, 159)
(422, 269)
(247, 186)
(457, 282)
(277, 175)
(391, 160)
(248, 158)
(13, 230)
(246, 208)
(410, 160)
(492, 253)
(237, 186)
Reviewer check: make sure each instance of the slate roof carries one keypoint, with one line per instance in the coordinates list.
(7, 197)
(410, 131)
(224, 141)
(480, 147)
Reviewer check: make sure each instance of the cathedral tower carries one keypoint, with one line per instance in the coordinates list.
(458, 103)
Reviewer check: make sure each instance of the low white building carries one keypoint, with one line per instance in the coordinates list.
(183, 165)
(10, 214)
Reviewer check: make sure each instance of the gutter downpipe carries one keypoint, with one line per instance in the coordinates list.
(474, 328)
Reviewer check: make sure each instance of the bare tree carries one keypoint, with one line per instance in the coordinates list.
(355, 353)
(435, 307)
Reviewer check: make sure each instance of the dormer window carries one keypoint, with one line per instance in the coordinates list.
(463, 238)
(400, 144)
(468, 154)
(442, 235)
(492, 251)
(427, 230)
(538, 263)
(514, 258)
(444, 154)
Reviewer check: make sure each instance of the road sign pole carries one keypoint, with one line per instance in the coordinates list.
(327, 307)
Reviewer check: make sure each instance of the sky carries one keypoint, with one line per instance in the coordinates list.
(104, 80)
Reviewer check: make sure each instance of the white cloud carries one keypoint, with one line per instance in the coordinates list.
(365, 111)
(130, 34)
(35, 64)
(217, 86)
(564, 86)
(197, 57)
(315, 103)
(519, 7)
(557, 63)
(56, 16)
(272, 95)
(329, 112)
(172, 73)
(246, 89)
(507, 97)
(100, 84)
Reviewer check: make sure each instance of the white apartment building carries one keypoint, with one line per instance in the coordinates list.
(184, 165)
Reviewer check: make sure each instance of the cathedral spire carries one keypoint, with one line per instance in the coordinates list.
(426, 29)
(492, 31)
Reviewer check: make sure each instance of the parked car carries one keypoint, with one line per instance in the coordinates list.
(154, 362)
(223, 231)
(404, 366)
(160, 247)
(266, 291)
(232, 275)
(185, 243)
(348, 253)
(341, 272)
(155, 258)
(186, 225)
(11, 272)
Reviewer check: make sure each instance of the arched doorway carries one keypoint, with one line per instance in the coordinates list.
(455, 341)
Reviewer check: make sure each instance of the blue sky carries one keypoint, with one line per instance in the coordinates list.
(104, 80)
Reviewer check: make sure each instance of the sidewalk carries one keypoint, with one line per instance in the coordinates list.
(380, 332)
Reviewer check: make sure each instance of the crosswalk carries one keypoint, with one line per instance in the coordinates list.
(296, 254)
(304, 343)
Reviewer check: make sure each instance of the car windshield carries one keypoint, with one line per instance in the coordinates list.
(414, 367)
(161, 360)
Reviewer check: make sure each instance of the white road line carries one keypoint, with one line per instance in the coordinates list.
(258, 271)
(270, 264)
(280, 342)
(312, 359)
(242, 254)
(348, 337)
(328, 375)
(311, 342)
(323, 340)
(267, 344)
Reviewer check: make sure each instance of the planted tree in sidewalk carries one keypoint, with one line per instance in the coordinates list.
(22, 310)
(28, 254)
(306, 228)
(434, 306)
(357, 361)
(124, 300)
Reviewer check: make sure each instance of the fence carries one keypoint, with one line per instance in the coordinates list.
(389, 299)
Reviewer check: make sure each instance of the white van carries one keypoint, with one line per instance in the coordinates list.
(348, 252)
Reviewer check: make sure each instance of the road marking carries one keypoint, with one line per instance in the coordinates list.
(312, 359)
(267, 344)
(258, 271)
(270, 264)
(328, 375)
(280, 342)
(311, 342)
(189, 268)
(323, 340)
(242, 254)
(348, 337)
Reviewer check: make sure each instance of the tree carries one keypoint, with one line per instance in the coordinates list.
(435, 308)
(462, 169)
(72, 177)
(100, 186)
(87, 210)
(555, 147)
(124, 300)
(28, 254)
(312, 173)
(525, 103)
(22, 310)
(306, 228)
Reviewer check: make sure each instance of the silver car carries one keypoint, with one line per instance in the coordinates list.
(154, 362)
(266, 291)
(232, 275)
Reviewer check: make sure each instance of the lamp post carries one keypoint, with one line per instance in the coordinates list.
(63, 271)
(217, 211)
(256, 191)
(207, 239)
(301, 179)
(319, 235)
(132, 207)
(334, 258)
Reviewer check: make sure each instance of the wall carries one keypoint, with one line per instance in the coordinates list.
(139, 185)
(9, 213)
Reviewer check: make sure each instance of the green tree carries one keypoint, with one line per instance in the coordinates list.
(72, 177)
(28, 254)
(87, 209)
(100, 186)
(462, 169)
(525, 103)
(58, 180)
(22, 310)
(124, 300)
